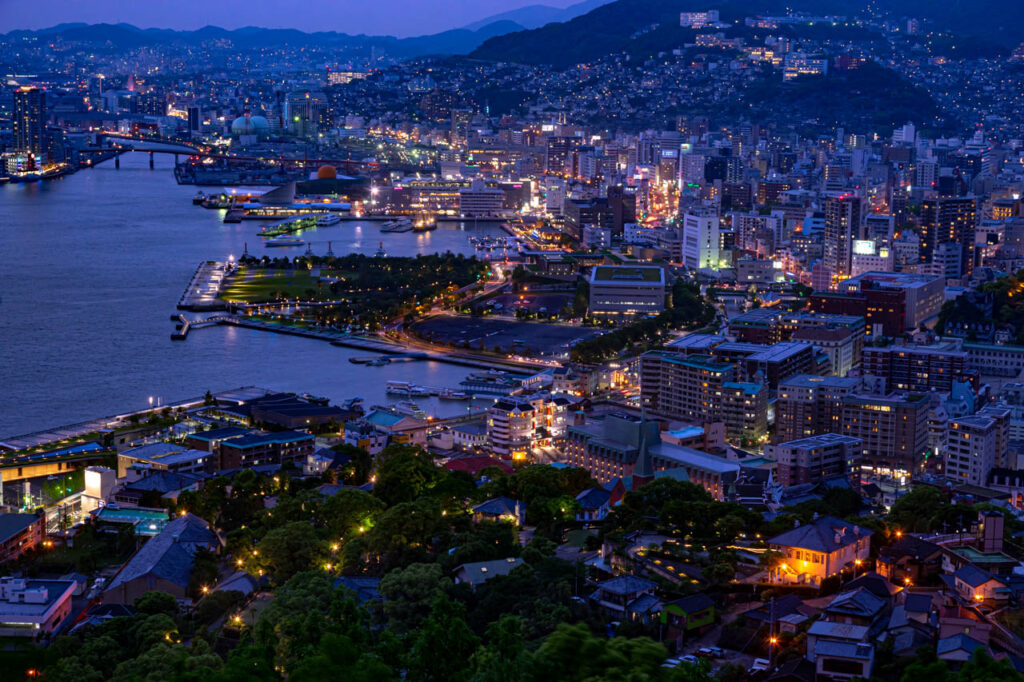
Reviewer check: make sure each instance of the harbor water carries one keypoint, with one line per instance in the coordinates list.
(91, 267)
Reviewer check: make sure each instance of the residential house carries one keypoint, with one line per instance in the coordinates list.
(365, 589)
(975, 585)
(500, 509)
(627, 597)
(150, 490)
(957, 648)
(858, 607)
(690, 616)
(164, 563)
(909, 561)
(820, 549)
(594, 505)
(479, 572)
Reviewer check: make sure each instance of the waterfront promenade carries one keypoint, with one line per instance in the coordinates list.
(338, 338)
(203, 290)
(79, 429)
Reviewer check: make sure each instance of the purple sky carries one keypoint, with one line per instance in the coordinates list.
(390, 17)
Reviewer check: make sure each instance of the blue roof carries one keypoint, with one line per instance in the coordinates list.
(366, 589)
(827, 647)
(499, 506)
(593, 498)
(918, 603)
(164, 481)
(12, 524)
(626, 584)
(647, 603)
(382, 418)
(256, 439)
(153, 450)
(957, 643)
(820, 535)
(693, 603)
(220, 434)
(973, 576)
(170, 554)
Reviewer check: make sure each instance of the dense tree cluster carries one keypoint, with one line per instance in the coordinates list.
(369, 290)
(413, 530)
(962, 317)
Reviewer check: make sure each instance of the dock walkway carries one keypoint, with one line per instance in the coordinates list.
(203, 290)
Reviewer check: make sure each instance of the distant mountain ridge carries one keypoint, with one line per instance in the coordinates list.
(127, 36)
(614, 27)
(535, 16)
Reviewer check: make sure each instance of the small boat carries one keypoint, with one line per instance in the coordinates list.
(399, 225)
(199, 198)
(328, 219)
(449, 394)
(381, 253)
(284, 240)
(398, 388)
(410, 409)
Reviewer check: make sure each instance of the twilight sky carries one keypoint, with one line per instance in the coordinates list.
(378, 17)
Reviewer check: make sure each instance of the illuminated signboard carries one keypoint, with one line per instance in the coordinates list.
(864, 247)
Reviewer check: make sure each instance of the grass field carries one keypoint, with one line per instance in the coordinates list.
(258, 287)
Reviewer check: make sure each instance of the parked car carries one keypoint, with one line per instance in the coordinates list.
(760, 664)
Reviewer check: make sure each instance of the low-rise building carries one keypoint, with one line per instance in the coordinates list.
(623, 291)
(479, 572)
(20, 533)
(164, 563)
(614, 447)
(137, 462)
(626, 598)
(263, 447)
(33, 608)
(516, 426)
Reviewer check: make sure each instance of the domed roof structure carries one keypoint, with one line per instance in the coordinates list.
(250, 125)
(327, 173)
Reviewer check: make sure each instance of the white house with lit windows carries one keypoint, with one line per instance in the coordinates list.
(819, 550)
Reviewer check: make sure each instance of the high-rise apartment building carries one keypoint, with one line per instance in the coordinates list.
(974, 446)
(949, 220)
(893, 428)
(809, 405)
(30, 121)
(700, 389)
(700, 239)
(812, 459)
(842, 228)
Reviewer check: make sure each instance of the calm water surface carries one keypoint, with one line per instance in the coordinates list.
(91, 267)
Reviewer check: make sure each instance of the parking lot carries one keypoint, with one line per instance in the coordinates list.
(538, 303)
(504, 333)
